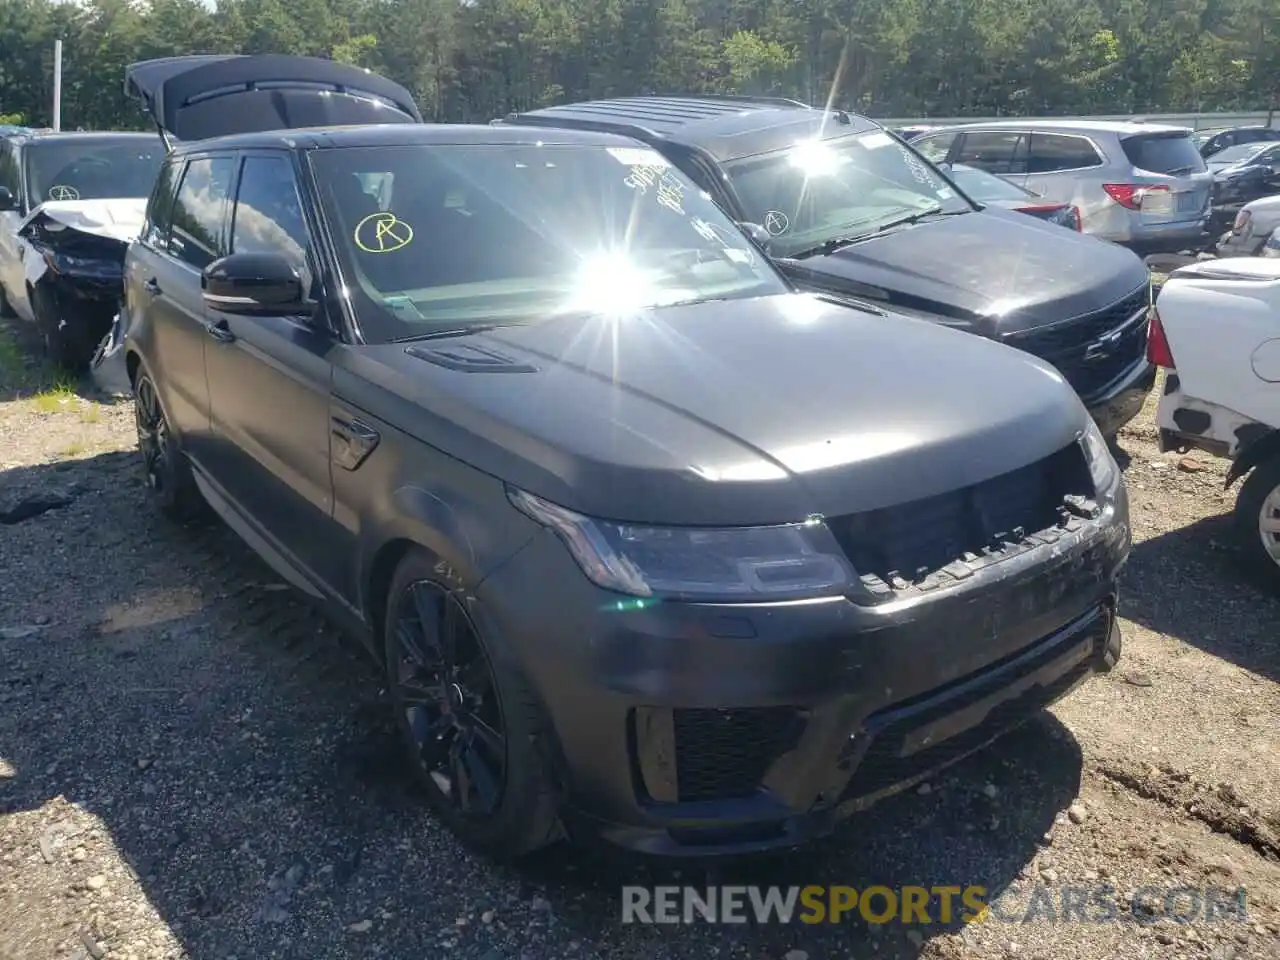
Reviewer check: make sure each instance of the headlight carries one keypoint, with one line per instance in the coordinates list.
(788, 562)
(1102, 466)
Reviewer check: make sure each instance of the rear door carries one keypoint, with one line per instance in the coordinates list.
(1170, 162)
(185, 233)
(1002, 152)
(1065, 167)
(269, 383)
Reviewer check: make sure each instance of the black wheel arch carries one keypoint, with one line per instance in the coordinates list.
(1257, 450)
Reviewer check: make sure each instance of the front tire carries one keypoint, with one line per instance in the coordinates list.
(473, 730)
(171, 485)
(1258, 521)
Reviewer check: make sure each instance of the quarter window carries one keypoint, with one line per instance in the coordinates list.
(268, 213)
(996, 151)
(1051, 152)
(199, 209)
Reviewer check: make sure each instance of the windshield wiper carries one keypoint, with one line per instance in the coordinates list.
(445, 332)
(835, 243)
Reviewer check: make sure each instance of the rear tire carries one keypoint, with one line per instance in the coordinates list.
(1257, 518)
(474, 734)
(170, 483)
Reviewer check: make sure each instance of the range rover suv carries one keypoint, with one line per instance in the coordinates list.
(847, 208)
(649, 545)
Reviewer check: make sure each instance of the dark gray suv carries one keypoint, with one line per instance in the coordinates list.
(649, 545)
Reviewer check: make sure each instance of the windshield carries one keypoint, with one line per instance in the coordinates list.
(447, 235)
(984, 187)
(822, 190)
(1238, 153)
(73, 169)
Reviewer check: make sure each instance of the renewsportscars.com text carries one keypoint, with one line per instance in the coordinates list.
(943, 904)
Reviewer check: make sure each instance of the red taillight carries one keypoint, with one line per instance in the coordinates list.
(1242, 220)
(1129, 195)
(1158, 351)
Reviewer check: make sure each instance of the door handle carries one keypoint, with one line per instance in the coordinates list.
(219, 330)
(151, 286)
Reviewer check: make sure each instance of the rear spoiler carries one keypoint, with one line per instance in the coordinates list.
(201, 96)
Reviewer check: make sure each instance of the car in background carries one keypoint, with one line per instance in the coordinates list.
(647, 544)
(990, 190)
(69, 205)
(1143, 185)
(1253, 225)
(1272, 248)
(1215, 335)
(1210, 142)
(1243, 173)
(910, 133)
(846, 208)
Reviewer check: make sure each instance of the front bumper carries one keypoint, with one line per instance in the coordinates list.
(714, 729)
(1123, 400)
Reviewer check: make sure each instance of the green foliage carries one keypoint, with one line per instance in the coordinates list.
(478, 59)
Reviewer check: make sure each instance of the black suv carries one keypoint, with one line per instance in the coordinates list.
(648, 544)
(848, 208)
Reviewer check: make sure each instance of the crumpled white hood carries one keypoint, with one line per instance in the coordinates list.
(116, 219)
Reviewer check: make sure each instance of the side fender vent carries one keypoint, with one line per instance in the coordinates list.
(467, 358)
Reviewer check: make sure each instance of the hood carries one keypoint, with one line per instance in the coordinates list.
(197, 97)
(1232, 168)
(115, 219)
(728, 412)
(992, 272)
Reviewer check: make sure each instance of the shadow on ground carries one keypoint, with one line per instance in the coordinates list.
(236, 751)
(1229, 612)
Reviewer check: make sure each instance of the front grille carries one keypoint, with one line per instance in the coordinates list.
(884, 765)
(1080, 349)
(724, 754)
(925, 543)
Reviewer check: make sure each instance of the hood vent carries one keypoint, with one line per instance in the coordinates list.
(467, 358)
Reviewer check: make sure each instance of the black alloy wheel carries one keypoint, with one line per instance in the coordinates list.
(166, 471)
(153, 434)
(446, 691)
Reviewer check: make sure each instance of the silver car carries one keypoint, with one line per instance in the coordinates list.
(1144, 185)
(1253, 225)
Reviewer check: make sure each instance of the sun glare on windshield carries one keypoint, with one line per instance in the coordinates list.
(815, 158)
(611, 284)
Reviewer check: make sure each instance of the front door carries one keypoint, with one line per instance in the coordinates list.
(269, 385)
(12, 247)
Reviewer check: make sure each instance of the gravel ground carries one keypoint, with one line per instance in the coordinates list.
(194, 764)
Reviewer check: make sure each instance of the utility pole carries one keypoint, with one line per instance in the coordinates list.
(57, 85)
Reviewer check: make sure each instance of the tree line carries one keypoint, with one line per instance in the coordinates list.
(473, 60)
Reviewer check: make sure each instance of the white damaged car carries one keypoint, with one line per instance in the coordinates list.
(1216, 331)
(70, 203)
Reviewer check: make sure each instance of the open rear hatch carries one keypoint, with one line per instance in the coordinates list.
(198, 97)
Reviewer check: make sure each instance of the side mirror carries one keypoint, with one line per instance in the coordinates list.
(266, 284)
(758, 235)
(7, 200)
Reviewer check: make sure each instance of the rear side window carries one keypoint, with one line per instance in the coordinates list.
(1051, 152)
(160, 206)
(997, 151)
(935, 148)
(198, 211)
(1170, 153)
